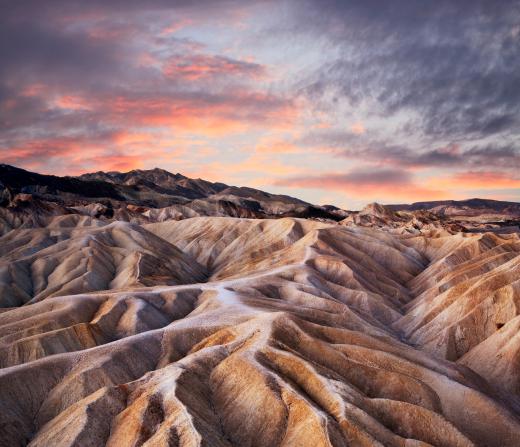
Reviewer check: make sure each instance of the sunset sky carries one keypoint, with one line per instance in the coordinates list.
(342, 102)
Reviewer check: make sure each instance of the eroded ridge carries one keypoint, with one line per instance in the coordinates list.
(256, 333)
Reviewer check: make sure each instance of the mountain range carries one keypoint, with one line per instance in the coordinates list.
(156, 195)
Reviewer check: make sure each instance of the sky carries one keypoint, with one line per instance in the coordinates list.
(334, 102)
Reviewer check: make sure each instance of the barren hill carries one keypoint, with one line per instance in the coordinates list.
(393, 328)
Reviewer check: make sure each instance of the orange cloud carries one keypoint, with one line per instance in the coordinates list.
(276, 146)
(43, 149)
(176, 26)
(255, 170)
(119, 162)
(66, 155)
(357, 128)
(203, 66)
(208, 116)
(71, 102)
(478, 180)
(385, 185)
(33, 90)
(124, 138)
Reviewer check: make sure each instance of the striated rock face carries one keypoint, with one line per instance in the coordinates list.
(60, 260)
(217, 331)
(467, 304)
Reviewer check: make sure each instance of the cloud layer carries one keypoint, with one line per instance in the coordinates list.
(343, 100)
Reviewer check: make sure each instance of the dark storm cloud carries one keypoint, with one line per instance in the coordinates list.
(39, 56)
(37, 47)
(455, 64)
(35, 8)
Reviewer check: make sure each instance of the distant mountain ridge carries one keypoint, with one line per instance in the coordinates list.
(19, 180)
(159, 180)
(141, 196)
(498, 205)
(157, 195)
(134, 186)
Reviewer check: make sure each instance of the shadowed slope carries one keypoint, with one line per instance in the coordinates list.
(61, 259)
(468, 302)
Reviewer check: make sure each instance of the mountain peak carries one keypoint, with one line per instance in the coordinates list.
(376, 209)
(155, 171)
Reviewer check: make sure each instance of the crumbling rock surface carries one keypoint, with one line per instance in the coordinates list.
(219, 331)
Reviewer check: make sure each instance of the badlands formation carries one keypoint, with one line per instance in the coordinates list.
(141, 309)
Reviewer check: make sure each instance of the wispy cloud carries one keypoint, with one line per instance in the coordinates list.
(362, 98)
(210, 67)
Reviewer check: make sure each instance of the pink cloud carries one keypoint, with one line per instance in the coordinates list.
(204, 66)
(479, 180)
(386, 184)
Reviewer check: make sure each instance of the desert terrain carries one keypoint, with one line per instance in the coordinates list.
(151, 309)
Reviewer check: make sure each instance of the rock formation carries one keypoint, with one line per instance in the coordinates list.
(122, 330)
